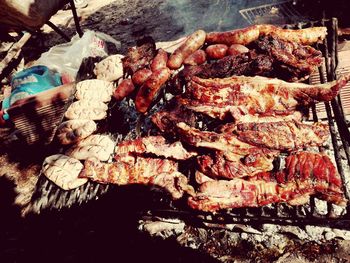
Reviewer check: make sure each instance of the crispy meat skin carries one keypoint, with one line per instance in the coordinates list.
(140, 56)
(130, 170)
(305, 174)
(156, 145)
(240, 95)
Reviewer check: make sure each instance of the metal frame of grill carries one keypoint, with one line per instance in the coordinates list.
(284, 9)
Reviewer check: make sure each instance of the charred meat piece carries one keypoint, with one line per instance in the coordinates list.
(166, 120)
(140, 56)
(306, 174)
(240, 95)
(290, 60)
(130, 170)
(155, 145)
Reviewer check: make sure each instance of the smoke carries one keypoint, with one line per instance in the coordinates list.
(210, 15)
(217, 15)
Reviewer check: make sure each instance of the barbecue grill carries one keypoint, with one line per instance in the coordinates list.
(49, 196)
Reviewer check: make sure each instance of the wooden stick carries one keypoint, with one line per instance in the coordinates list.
(14, 51)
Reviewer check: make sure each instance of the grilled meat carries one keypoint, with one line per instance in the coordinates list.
(268, 56)
(155, 145)
(131, 170)
(140, 56)
(166, 120)
(305, 174)
(283, 135)
(222, 167)
(248, 137)
(290, 60)
(233, 149)
(261, 96)
(247, 35)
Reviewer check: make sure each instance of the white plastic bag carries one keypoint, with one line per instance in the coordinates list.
(66, 58)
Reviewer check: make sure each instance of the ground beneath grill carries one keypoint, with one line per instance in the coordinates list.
(107, 229)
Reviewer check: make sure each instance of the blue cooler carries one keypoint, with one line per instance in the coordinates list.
(30, 82)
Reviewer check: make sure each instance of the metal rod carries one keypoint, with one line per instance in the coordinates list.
(59, 31)
(76, 19)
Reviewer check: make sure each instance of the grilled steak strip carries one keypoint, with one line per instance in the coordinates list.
(156, 145)
(306, 174)
(130, 170)
(241, 95)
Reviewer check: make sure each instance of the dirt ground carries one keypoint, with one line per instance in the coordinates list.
(103, 230)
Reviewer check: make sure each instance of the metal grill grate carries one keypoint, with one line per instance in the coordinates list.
(284, 214)
(277, 13)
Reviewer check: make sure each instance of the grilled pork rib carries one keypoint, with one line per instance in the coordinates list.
(130, 170)
(156, 145)
(306, 174)
(240, 95)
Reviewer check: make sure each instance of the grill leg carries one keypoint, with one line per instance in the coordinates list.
(75, 16)
(59, 31)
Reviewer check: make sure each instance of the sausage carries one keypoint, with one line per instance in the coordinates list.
(238, 36)
(216, 51)
(125, 88)
(196, 58)
(150, 89)
(159, 60)
(236, 49)
(140, 76)
(192, 43)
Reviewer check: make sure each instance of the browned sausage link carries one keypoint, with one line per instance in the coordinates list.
(124, 89)
(159, 60)
(196, 58)
(216, 51)
(236, 49)
(140, 76)
(238, 36)
(150, 89)
(192, 43)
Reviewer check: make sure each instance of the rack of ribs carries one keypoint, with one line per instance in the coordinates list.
(138, 170)
(305, 174)
(239, 95)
